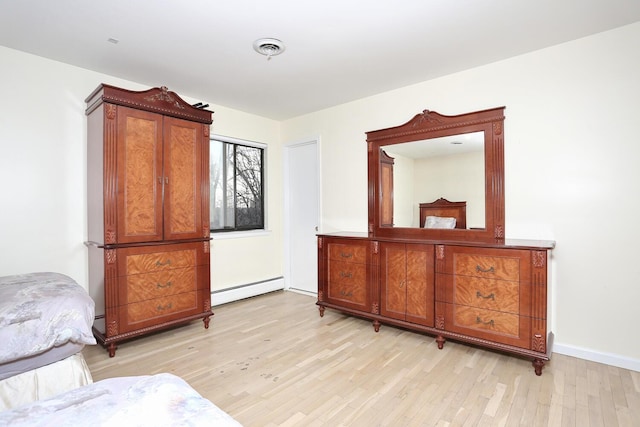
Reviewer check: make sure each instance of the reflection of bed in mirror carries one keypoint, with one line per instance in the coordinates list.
(443, 208)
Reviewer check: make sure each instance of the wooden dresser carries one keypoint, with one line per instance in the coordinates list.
(148, 225)
(493, 296)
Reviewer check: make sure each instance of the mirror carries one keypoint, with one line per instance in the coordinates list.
(431, 158)
(453, 167)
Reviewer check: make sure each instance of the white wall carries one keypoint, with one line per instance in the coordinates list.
(43, 174)
(572, 175)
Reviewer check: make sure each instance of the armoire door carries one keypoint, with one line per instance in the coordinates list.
(407, 282)
(139, 176)
(186, 162)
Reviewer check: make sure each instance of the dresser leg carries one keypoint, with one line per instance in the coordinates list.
(206, 321)
(376, 325)
(321, 309)
(537, 365)
(440, 340)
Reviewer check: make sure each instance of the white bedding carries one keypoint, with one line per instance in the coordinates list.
(42, 311)
(44, 382)
(158, 400)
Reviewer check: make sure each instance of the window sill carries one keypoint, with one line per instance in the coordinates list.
(239, 234)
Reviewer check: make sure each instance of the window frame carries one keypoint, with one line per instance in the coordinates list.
(246, 143)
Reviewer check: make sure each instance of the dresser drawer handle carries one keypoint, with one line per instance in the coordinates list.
(490, 296)
(490, 322)
(163, 307)
(347, 275)
(166, 285)
(160, 264)
(485, 270)
(346, 294)
(345, 255)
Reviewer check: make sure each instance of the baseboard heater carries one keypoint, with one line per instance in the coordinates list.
(236, 293)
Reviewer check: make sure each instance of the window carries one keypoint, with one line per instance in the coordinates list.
(237, 189)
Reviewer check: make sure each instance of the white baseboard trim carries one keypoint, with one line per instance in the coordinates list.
(246, 291)
(596, 356)
(300, 291)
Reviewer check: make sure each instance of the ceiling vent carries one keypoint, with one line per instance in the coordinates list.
(268, 47)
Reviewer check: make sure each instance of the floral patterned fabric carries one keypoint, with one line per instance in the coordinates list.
(40, 311)
(157, 400)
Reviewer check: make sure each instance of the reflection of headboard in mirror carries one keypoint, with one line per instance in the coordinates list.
(427, 129)
(445, 209)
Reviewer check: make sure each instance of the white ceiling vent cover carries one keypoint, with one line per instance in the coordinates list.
(268, 47)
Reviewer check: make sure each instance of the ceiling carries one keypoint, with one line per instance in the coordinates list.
(336, 50)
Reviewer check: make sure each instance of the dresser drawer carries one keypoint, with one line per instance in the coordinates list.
(141, 287)
(164, 307)
(348, 273)
(348, 252)
(348, 292)
(487, 266)
(491, 294)
(159, 261)
(497, 326)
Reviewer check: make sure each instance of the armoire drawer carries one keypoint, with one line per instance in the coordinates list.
(164, 307)
(162, 260)
(141, 287)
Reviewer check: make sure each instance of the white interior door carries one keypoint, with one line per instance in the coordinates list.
(301, 221)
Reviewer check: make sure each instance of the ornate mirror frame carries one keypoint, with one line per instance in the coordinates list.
(427, 125)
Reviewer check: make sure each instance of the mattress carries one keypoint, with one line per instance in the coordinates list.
(44, 382)
(156, 400)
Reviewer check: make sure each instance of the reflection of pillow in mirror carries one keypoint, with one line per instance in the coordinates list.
(439, 222)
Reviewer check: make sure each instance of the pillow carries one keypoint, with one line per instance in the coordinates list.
(440, 222)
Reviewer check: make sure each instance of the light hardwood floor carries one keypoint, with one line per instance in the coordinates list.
(273, 361)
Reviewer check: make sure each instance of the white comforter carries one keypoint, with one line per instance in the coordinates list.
(39, 311)
(158, 400)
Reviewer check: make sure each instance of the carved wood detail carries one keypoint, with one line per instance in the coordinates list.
(375, 308)
(539, 259)
(112, 328)
(110, 255)
(538, 343)
(439, 322)
(110, 111)
(164, 96)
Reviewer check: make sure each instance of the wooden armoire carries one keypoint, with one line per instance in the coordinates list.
(148, 212)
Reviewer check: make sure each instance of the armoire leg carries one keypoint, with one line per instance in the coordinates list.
(112, 349)
(440, 340)
(321, 309)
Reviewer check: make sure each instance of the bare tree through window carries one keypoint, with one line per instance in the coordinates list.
(237, 193)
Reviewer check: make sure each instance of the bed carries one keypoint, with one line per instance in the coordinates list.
(153, 400)
(45, 322)
(443, 214)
